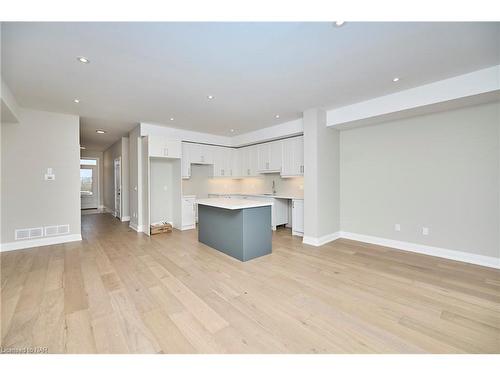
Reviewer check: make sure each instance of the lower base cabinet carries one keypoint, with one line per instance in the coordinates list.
(188, 212)
(298, 217)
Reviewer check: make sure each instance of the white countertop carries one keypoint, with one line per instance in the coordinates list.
(260, 195)
(232, 204)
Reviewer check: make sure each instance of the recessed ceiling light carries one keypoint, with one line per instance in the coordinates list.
(99, 131)
(277, 116)
(395, 79)
(210, 97)
(83, 148)
(83, 60)
(171, 119)
(76, 101)
(339, 23)
(231, 130)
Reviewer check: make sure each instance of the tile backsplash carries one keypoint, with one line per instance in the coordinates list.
(201, 184)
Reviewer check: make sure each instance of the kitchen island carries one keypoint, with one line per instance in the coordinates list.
(240, 228)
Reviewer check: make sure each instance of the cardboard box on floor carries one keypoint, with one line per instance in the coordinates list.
(161, 228)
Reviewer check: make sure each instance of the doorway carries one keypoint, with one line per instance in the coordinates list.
(89, 183)
(118, 187)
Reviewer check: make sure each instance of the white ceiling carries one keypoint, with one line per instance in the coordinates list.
(150, 72)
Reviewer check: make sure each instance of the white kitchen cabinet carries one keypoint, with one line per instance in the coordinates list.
(200, 154)
(298, 217)
(188, 212)
(162, 147)
(248, 161)
(185, 161)
(235, 163)
(293, 157)
(269, 157)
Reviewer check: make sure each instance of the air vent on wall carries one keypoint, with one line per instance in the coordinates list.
(36, 232)
(63, 229)
(51, 230)
(22, 234)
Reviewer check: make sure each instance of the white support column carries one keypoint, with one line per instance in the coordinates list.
(321, 179)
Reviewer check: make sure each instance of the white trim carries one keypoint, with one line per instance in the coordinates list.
(125, 218)
(460, 256)
(134, 226)
(319, 241)
(17, 245)
(188, 227)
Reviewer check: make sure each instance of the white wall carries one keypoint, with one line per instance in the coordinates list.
(100, 156)
(39, 141)
(440, 171)
(321, 179)
(135, 178)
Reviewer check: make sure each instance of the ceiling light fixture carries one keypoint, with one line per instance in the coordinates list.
(83, 59)
(171, 119)
(395, 79)
(76, 101)
(339, 23)
(231, 130)
(99, 131)
(210, 97)
(277, 116)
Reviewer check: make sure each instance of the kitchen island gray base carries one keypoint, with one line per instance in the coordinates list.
(242, 233)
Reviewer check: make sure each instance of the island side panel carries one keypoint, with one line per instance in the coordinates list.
(257, 232)
(221, 229)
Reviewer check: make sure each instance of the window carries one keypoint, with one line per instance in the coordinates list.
(88, 162)
(86, 182)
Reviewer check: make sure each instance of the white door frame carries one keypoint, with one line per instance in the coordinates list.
(117, 189)
(98, 179)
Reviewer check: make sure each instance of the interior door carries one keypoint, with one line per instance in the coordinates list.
(118, 188)
(88, 186)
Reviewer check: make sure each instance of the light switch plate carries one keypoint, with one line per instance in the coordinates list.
(425, 231)
(397, 227)
(50, 177)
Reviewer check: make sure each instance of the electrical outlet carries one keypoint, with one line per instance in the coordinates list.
(425, 231)
(397, 227)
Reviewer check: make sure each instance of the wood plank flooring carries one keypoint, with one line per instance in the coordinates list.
(118, 291)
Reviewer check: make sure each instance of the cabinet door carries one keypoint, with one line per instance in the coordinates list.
(253, 161)
(263, 152)
(155, 146)
(298, 155)
(288, 165)
(185, 161)
(298, 217)
(172, 148)
(235, 160)
(188, 212)
(244, 162)
(205, 154)
(275, 155)
(218, 161)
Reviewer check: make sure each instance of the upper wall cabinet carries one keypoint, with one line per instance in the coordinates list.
(200, 154)
(162, 147)
(248, 161)
(293, 157)
(185, 161)
(269, 157)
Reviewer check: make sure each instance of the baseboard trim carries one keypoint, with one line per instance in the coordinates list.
(125, 218)
(460, 256)
(18, 245)
(319, 241)
(133, 226)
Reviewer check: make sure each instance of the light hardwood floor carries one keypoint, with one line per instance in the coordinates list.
(121, 292)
